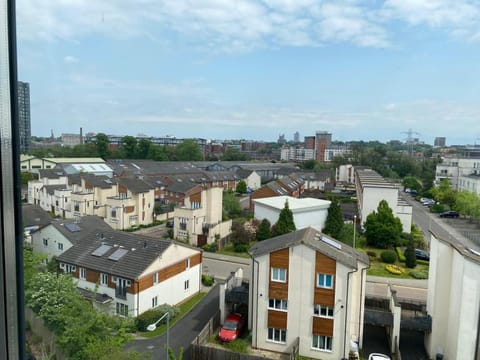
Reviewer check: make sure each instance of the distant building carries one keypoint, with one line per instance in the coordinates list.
(323, 140)
(71, 140)
(281, 139)
(296, 137)
(309, 142)
(439, 142)
(24, 122)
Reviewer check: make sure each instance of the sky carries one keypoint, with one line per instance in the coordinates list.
(253, 69)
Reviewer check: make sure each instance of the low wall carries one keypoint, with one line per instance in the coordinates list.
(38, 327)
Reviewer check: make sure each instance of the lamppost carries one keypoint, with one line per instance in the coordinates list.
(354, 228)
(153, 326)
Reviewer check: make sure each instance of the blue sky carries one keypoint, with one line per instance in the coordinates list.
(362, 70)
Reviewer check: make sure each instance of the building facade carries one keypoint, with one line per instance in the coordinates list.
(24, 121)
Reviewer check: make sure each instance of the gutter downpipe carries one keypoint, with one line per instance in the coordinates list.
(346, 310)
(477, 348)
(256, 299)
(362, 304)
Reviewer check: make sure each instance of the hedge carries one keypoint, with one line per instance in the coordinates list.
(152, 315)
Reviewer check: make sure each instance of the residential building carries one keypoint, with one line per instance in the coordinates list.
(251, 178)
(308, 287)
(43, 197)
(316, 180)
(127, 274)
(453, 299)
(455, 167)
(296, 153)
(296, 137)
(336, 150)
(71, 140)
(288, 185)
(372, 188)
(33, 219)
(199, 220)
(306, 211)
(470, 183)
(323, 140)
(24, 121)
(439, 142)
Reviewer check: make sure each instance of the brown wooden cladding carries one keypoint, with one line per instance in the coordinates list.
(122, 189)
(324, 265)
(129, 209)
(196, 198)
(93, 276)
(195, 260)
(278, 259)
(322, 326)
(277, 319)
(145, 282)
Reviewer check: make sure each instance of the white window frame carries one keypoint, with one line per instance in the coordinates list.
(327, 343)
(121, 309)
(322, 280)
(60, 246)
(82, 273)
(103, 279)
(155, 278)
(45, 242)
(275, 335)
(154, 301)
(187, 263)
(278, 304)
(186, 285)
(328, 311)
(277, 275)
(68, 269)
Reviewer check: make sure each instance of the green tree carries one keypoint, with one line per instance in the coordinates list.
(233, 154)
(411, 182)
(263, 231)
(102, 145)
(444, 193)
(468, 204)
(157, 153)
(241, 187)
(31, 262)
(285, 223)
(410, 257)
(382, 228)
(188, 150)
(240, 236)
(334, 222)
(143, 148)
(129, 147)
(231, 205)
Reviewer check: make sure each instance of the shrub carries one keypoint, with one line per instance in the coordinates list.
(240, 248)
(410, 256)
(152, 315)
(438, 208)
(207, 280)
(388, 256)
(394, 269)
(423, 262)
(419, 274)
(372, 254)
(400, 255)
(213, 247)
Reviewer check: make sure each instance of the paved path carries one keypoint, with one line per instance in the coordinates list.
(183, 332)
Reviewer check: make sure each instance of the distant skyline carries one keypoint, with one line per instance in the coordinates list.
(361, 70)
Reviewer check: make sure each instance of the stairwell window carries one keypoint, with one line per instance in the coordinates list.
(323, 311)
(278, 304)
(279, 275)
(325, 281)
(277, 335)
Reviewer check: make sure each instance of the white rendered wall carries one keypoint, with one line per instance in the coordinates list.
(54, 237)
(302, 219)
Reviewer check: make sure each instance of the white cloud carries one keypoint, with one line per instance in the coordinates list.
(70, 59)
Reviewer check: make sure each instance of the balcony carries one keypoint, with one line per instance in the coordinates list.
(121, 293)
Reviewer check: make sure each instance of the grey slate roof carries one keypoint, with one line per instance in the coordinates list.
(136, 186)
(87, 225)
(51, 188)
(310, 237)
(180, 186)
(34, 215)
(55, 173)
(321, 175)
(141, 251)
(99, 298)
(277, 188)
(244, 173)
(99, 181)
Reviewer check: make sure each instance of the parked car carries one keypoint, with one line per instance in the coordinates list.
(170, 223)
(378, 356)
(422, 254)
(232, 328)
(449, 214)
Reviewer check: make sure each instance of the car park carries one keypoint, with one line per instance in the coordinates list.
(449, 214)
(232, 328)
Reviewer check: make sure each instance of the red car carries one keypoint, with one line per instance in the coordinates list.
(232, 328)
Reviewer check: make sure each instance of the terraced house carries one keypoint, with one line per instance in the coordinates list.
(307, 289)
(127, 274)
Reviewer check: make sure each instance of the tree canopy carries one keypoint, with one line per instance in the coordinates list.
(382, 228)
(334, 222)
(263, 231)
(241, 187)
(285, 223)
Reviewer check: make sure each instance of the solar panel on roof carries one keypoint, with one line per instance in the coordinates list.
(73, 227)
(331, 242)
(118, 254)
(101, 250)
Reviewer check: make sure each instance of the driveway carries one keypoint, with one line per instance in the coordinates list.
(184, 331)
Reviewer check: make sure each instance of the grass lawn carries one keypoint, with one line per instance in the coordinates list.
(377, 267)
(184, 309)
(229, 251)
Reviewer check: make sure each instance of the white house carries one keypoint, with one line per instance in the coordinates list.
(470, 183)
(127, 274)
(306, 211)
(453, 299)
(307, 286)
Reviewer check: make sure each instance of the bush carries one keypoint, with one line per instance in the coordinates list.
(410, 256)
(152, 315)
(438, 208)
(419, 274)
(372, 254)
(240, 248)
(423, 262)
(388, 256)
(207, 280)
(213, 247)
(400, 255)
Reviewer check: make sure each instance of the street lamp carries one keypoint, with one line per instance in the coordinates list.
(354, 228)
(153, 326)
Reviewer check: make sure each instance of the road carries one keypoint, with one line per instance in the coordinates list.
(183, 332)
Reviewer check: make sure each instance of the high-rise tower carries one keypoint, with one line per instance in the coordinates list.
(24, 124)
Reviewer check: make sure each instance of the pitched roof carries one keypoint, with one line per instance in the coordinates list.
(315, 239)
(51, 188)
(117, 253)
(99, 181)
(34, 216)
(51, 173)
(136, 186)
(76, 230)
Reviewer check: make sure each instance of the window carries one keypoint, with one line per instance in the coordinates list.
(278, 304)
(277, 335)
(114, 212)
(83, 273)
(154, 301)
(320, 342)
(279, 275)
(186, 284)
(187, 264)
(325, 281)
(323, 311)
(103, 279)
(70, 268)
(45, 242)
(122, 309)
(60, 246)
(155, 278)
